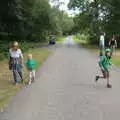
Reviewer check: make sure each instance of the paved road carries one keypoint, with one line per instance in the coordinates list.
(65, 90)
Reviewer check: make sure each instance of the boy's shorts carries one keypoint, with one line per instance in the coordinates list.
(105, 73)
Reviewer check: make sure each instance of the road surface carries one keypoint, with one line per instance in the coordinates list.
(65, 90)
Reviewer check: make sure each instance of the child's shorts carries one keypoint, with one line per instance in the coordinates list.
(105, 74)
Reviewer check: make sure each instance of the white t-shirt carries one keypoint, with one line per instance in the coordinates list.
(15, 54)
(102, 40)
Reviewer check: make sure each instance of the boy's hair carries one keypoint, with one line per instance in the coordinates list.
(29, 55)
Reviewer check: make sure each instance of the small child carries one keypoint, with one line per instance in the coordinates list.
(105, 64)
(31, 66)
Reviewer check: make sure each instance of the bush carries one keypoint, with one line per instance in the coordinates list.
(5, 46)
(82, 37)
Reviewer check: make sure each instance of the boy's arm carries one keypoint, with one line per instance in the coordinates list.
(35, 64)
(28, 66)
(110, 63)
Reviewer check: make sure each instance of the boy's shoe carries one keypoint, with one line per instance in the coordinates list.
(97, 78)
(109, 86)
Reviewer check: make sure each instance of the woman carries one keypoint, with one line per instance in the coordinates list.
(15, 62)
(113, 44)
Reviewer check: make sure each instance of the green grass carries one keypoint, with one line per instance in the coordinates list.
(81, 42)
(6, 88)
(61, 39)
(85, 44)
(116, 61)
(95, 50)
(116, 58)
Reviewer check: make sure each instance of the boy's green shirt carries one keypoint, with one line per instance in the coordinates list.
(104, 63)
(31, 65)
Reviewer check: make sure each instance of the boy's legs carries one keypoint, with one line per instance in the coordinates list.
(105, 76)
(108, 80)
(33, 75)
(101, 77)
(30, 77)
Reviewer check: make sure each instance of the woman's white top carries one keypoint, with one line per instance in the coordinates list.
(15, 54)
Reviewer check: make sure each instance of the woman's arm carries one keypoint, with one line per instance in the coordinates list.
(9, 59)
(21, 54)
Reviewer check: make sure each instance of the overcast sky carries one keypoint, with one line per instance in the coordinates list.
(64, 7)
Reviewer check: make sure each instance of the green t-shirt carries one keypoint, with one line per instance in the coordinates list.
(104, 63)
(31, 65)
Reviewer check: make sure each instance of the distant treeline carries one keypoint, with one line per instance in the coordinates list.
(96, 17)
(30, 19)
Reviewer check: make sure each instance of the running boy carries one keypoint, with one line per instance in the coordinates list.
(105, 64)
(31, 67)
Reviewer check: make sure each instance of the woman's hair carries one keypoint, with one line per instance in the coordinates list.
(15, 44)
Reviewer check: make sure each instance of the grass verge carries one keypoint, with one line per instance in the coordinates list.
(6, 89)
(60, 39)
(95, 50)
(81, 42)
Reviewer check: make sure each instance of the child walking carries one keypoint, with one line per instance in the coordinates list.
(105, 64)
(31, 67)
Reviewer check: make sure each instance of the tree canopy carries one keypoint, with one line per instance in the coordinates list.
(97, 16)
(26, 18)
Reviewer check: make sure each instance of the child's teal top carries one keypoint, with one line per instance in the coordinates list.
(104, 63)
(31, 65)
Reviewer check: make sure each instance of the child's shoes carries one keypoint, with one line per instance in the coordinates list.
(97, 78)
(109, 86)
